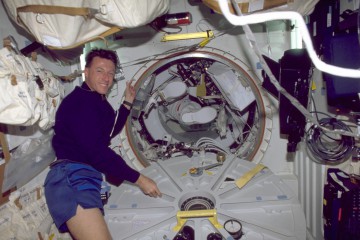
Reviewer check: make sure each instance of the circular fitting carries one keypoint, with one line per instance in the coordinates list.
(214, 236)
(220, 157)
(247, 136)
(39, 18)
(197, 201)
(234, 228)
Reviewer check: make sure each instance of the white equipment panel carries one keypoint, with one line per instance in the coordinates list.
(265, 206)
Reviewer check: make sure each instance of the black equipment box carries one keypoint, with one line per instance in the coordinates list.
(341, 206)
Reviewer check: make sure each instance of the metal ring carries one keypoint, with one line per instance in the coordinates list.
(39, 18)
(103, 9)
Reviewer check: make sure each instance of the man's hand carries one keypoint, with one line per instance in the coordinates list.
(129, 91)
(148, 186)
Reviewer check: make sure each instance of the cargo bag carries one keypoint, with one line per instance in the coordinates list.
(67, 24)
(29, 94)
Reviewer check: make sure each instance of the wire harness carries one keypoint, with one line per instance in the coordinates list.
(329, 148)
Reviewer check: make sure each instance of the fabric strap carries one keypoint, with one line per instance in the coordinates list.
(242, 181)
(46, 9)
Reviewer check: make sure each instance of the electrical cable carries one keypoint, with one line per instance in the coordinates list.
(314, 105)
(157, 27)
(326, 148)
(203, 22)
(289, 15)
(316, 112)
(319, 149)
(252, 41)
(211, 144)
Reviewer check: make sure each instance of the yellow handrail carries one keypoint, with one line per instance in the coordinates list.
(182, 217)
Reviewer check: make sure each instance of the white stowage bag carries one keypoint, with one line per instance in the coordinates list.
(68, 24)
(130, 13)
(29, 94)
(26, 216)
(16, 104)
(49, 97)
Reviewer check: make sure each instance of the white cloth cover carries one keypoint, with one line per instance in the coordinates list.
(22, 100)
(15, 101)
(129, 13)
(67, 24)
(16, 106)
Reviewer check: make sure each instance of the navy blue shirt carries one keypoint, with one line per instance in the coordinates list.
(83, 125)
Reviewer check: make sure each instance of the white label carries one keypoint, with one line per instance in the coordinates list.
(51, 41)
(328, 17)
(256, 5)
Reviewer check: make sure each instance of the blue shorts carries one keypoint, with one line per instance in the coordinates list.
(69, 184)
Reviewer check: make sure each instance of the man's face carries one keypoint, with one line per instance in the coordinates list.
(100, 74)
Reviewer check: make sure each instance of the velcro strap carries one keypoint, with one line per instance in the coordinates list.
(46, 9)
(242, 181)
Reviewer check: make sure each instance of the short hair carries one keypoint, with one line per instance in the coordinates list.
(102, 53)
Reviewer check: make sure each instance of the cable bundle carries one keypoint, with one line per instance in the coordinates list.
(211, 144)
(328, 147)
